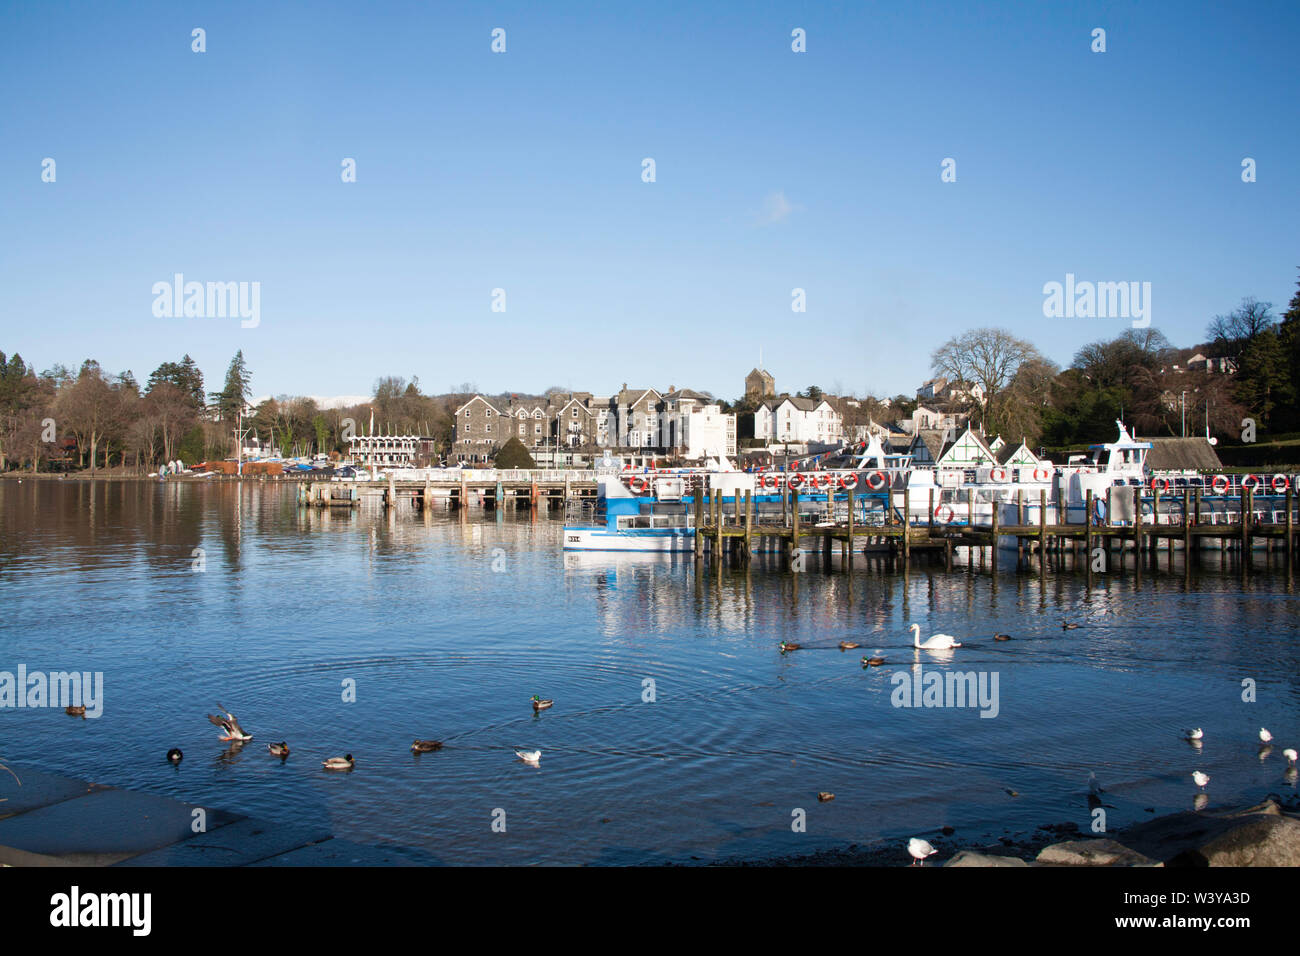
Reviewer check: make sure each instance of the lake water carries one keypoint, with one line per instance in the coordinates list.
(448, 625)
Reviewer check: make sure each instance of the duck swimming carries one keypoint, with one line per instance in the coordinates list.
(230, 725)
(1001, 637)
(339, 763)
(540, 704)
(175, 756)
(788, 646)
(849, 645)
(426, 746)
(280, 750)
(872, 661)
(78, 711)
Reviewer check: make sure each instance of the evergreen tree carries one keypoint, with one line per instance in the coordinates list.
(234, 395)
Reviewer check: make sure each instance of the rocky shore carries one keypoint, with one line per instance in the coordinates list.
(1266, 834)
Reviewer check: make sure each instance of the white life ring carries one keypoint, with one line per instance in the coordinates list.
(795, 481)
(875, 485)
(1163, 483)
(848, 482)
(1219, 484)
(1250, 482)
(938, 513)
(1280, 483)
(998, 474)
(1041, 474)
(639, 484)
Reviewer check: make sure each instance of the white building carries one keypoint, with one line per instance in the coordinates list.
(694, 426)
(798, 420)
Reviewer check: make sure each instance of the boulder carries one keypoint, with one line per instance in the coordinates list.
(1261, 835)
(972, 858)
(1091, 853)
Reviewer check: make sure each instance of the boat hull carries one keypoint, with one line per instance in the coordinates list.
(658, 539)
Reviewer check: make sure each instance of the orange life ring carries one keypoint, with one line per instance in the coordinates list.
(998, 474)
(1041, 474)
(877, 485)
(848, 482)
(1280, 482)
(951, 513)
(639, 484)
(795, 481)
(1250, 478)
(768, 480)
(1162, 482)
(1218, 488)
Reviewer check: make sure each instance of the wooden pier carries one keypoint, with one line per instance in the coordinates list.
(1165, 522)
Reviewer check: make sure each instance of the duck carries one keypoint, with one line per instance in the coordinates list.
(1200, 779)
(920, 849)
(539, 704)
(280, 750)
(939, 642)
(1001, 637)
(788, 646)
(78, 711)
(426, 746)
(1194, 734)
(849, 645)
(230, 725)
(175, 756)
(825, 796)
(339, 763)
(531, 757)
(1265, 736)
(1069, 626)
(873, 661)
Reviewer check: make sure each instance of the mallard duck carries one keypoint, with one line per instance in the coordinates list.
(540, 704)
(849, 645)
(339, 763)
(1069, 626)
(174, 755)
(1001, 637)
(230, 725)
(426, 746)
(531, 757)
(825, 796)
(787, 646)
(280, 750)
(77, 711)
(873, 661)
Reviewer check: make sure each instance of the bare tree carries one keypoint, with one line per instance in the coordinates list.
(989, 358)
(1231, 333)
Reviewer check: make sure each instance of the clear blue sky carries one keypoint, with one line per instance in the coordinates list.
(523, 171)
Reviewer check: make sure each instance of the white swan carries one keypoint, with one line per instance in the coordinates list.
(939, 642)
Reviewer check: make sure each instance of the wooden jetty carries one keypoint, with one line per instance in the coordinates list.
(1181, 521)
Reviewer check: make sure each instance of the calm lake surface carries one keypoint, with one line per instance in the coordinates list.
(448, 625)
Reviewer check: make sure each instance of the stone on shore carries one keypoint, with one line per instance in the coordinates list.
(973, 858)
(1100, 852)
(1257, 836)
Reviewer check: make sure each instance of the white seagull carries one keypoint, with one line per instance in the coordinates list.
(531, 757)
(1290, 756)
(1196, 734)
(919, 849)
(1092, 783)
(939, 642)
(1265, 736)
(1200, 779)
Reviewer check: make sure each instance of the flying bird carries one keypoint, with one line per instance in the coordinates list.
(230, 725)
